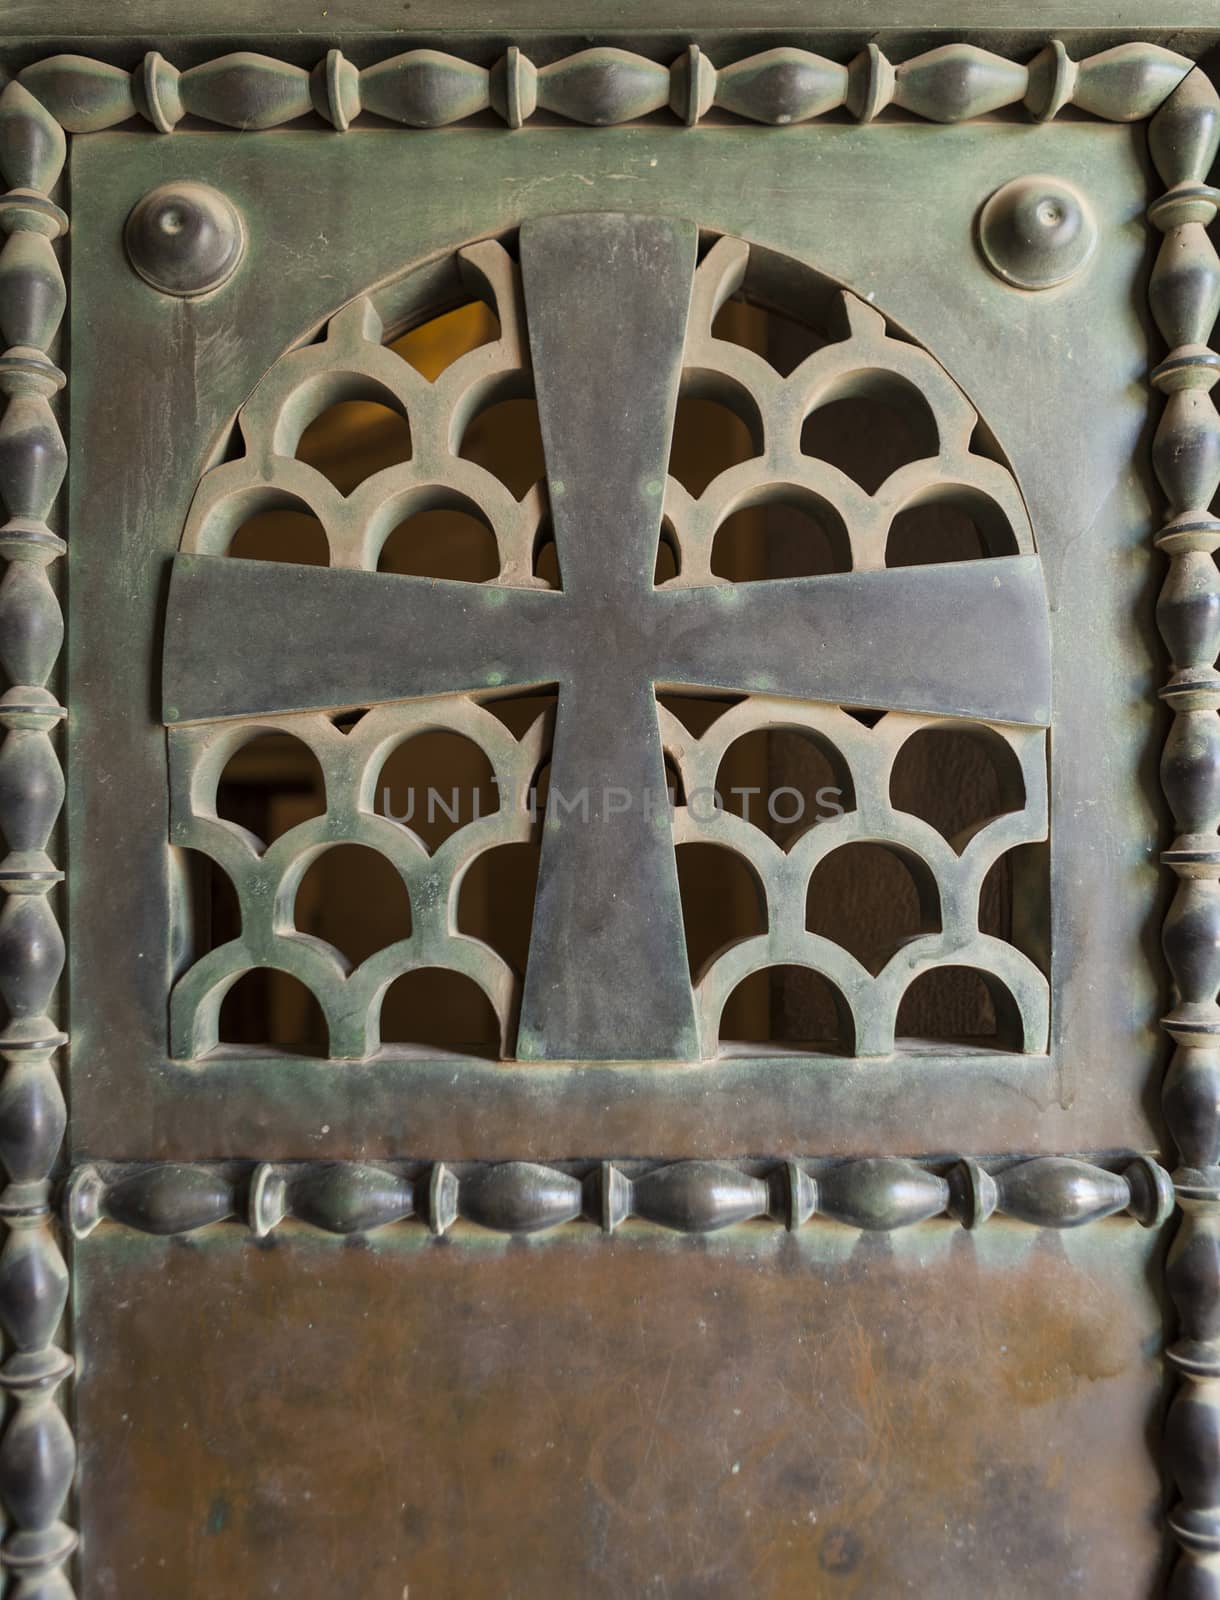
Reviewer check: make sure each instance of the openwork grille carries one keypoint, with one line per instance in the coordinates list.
(267, 879)
(860, 358)
(352, 364)
(950, 883)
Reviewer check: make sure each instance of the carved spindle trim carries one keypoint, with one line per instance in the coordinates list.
(1184, 295)
(337, 1197)
(882, 1194)
(425, 89)
(699, 1196)
(518, 1197)
(37, 1455)
(782, 86)
(604, 86)
(168, 1200)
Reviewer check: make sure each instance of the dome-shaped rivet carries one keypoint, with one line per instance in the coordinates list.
(1036, 232)
(185, 238)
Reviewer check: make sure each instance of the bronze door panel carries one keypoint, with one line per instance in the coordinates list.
(587, 1188)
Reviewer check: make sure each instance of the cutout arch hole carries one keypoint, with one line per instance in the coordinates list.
(871, 899)
(267, 1010)
(434, 1009)
(781, 340)
(504, 437)
(871, 425)
(957, 777)
(520, 712)
(546, 569)
(441, 537)
(1014, 902)
(953, 523)
(436, 782)
(723, 901)
(958, 1006)
(785, 534)
(717, 425)
(271, 783)
(784, 780)
(352, 898)
(668, 564)
(432, 346)
(675, 788)
(696, 712)
(787, 1007)
(211, 907)
(546, 557)
(356, 431)
(281, 533)
(496, 900)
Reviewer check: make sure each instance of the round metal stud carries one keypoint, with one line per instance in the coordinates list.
(1036, 232)
(185, 238)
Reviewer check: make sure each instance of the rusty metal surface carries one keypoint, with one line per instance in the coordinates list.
(820, 1414)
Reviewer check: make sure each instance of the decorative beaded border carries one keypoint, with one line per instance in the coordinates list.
(602, 86)
(877, 1194)
(1184, 295)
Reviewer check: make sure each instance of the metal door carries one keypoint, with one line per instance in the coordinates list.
(867, 1302)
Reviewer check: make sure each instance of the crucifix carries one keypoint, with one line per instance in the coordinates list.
(607, 297)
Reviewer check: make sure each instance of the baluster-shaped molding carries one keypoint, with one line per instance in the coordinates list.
(167, 1200)
(37, 1456)
(1185, 297)
(873, 1194)
(603, 86)
(337, 1196)
(689, 1196)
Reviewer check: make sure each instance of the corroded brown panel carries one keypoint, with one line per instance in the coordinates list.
(820, 1414)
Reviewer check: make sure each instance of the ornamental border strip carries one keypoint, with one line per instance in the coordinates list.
(874, 1194)
(1184, 297)
(602, 86)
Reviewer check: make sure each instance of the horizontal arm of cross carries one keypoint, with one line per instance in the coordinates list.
(965, 639)
(253, 638)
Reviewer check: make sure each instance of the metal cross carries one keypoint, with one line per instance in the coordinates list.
(607, 298)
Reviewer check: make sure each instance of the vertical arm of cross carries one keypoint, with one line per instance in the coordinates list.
(607, 298)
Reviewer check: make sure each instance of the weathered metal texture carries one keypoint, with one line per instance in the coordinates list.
(1037, 232)
(687, 1196)
(297, 31)
(266, 878)
(818, 1413)
(603, 86)
(1184, 293)
(961, 82)
(37, 1456)
(185, 238)
(608, 903)
(290, 281)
